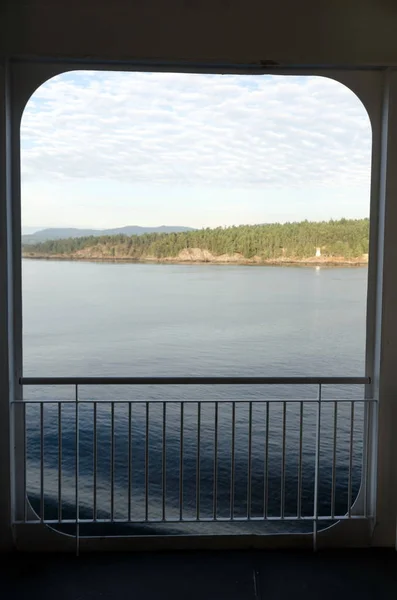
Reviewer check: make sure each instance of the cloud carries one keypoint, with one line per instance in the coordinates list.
(207, 130)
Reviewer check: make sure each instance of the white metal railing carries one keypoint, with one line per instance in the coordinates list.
(90, 461)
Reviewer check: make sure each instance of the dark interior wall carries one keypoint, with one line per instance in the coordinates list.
(287, 31)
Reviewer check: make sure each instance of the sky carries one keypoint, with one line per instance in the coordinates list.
(108, 149)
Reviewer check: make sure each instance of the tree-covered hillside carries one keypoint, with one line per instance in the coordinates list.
(345, 238)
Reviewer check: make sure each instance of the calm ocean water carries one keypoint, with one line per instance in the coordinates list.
(87, 319)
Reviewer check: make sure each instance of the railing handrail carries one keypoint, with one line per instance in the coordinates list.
(271, 400)
(194, 380)
(187, 440)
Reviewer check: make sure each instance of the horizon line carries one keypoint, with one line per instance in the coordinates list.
(38, 229)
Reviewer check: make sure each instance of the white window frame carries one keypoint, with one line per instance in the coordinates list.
(377, 90)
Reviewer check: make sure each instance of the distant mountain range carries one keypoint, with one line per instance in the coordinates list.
(58, 233)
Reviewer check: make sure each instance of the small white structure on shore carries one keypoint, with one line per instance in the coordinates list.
(318, 252)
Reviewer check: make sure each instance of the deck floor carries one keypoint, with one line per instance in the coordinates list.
(202, 576)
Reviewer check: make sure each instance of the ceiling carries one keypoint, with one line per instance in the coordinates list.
(308, 32)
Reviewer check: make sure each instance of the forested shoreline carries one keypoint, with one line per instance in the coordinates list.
(306, 241)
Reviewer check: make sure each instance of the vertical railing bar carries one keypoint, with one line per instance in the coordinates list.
(300, 466)
(95, 462)
(333, 487)
(283, 451)
(181, 461)
(367, 408)
(112, 461)
(25, 500)
(371, 465)
(249, 488)
(198, 461)
(349, 492)
(77, 500)
(164, 459)
(42, 461)
(129, 460)
(232, 466)
(147, 464)
(317, 467)
(60, 462)
(266, 480)
(215, 489)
